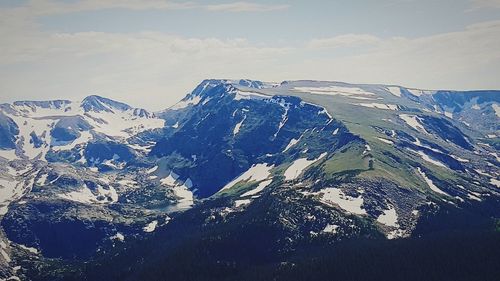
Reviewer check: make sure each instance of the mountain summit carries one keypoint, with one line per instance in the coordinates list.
(97, 103)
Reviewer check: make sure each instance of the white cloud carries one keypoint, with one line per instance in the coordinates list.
(461, 59)
(51, 7)
(245, 7)
(480, 4)
(342, 41)
(127, 67)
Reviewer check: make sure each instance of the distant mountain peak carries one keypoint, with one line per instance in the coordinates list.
(251, 83)
(99, 104)
(54, 104)
(208, 84)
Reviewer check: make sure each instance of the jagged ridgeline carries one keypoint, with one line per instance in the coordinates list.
(249, 180)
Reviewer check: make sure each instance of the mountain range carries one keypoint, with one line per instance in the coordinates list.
(251, 180)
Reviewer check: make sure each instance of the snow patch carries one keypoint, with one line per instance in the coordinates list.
(181, 190)
(40, 127)
(335, 196)
(367, 149)
(257, 172)
(413, 121)
(397, 233)
(299, 165)
(324, 111)
(29, 249)
(146, 148)
(185, 195)
(152, 170)
(494, 154)
(482, 173)
(85, 195)
(385, 141)
(185, 103)
(463, 160)
(330, 228)
(417, 142)
(8, 154)
(418, 93)
(236, 129)
(350, 92)
(428, 159)
(118, 236)
(292, 143)
(242, 202)
(284, 118)
(258, 189)
(430, 183)
(495, 182)
(379, 106)
(128, 183)
(395, 91)
(150, 227)
(474, 196)
(389, 217)
(85, 137)
(496, 108)
(244, 95)
(10, 190)
(121, 124)
(170, 180)
(5, 256)
(42, 179)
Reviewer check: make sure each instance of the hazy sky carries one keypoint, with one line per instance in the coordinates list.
(150, 53)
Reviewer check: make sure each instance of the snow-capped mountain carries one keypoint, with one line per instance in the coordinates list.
(284, 167)
(38, 128)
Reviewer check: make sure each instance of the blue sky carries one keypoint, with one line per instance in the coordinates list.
(300, 20)
(150, 53)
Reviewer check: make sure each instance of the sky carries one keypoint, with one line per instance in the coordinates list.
(151, 53)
